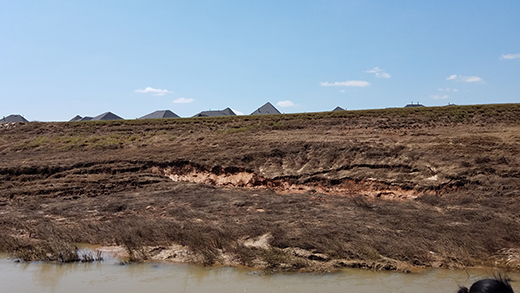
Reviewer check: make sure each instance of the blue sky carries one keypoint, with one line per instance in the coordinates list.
(63, 58)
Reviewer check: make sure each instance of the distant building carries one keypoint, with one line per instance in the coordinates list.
(216, 113)
(76, 118)
(414, 105)
(268, 108)
(79, 118)
(13, 118)
(107, 116)
(338, 108)
(160, 114)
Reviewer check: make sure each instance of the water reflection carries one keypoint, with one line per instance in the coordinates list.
(109, 276)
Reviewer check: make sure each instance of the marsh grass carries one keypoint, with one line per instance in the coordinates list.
(90, 256)
(52, 250)
(344, 229)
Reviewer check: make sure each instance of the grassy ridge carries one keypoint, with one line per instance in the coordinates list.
(120, 133)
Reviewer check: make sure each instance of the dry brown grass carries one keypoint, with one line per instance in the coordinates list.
(63, 183)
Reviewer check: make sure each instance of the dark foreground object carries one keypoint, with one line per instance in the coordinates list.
(496, 285)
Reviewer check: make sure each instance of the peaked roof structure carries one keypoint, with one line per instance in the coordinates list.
(216, 113)
(414, 105)
(79, 118)
(338, 108)
(160, 114)
(268, 108)
(106, 116)
(76, 118)
(13, 118)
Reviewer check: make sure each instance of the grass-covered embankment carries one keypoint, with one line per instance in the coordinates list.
(97, 182)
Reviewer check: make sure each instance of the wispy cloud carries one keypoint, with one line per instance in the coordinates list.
(285, 104)
(358, 83)
(460, 78)
(183, 101)
(510, 56)
(151, 90)
(439, 97)
(449, 90)
(378, 72)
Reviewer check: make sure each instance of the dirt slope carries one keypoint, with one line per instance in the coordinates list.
(386, 188)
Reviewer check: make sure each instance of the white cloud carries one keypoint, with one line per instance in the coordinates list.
(342, 91)
(183, 101)
(155, 92)
(358, 83)
(449, 90)
(452, 77)
(461, 78)
(378, 72)
(471, 79)
(438, 97)
(285, 104)
(237, 112)
(510, 56)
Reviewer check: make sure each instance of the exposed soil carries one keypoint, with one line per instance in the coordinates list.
(235, 177)
(382, 189)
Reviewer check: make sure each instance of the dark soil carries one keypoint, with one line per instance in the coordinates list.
(386, 189)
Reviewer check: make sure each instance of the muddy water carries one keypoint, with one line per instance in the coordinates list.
(109, 276)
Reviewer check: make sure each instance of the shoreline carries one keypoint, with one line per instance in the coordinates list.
(315, 262)
(121, 256)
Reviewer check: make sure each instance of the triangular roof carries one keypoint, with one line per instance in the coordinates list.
(338, 108)
(228, 112)
(216, 113)
(76, 118)
(107, 116)
(160, 114)
(86, 118)
(14, 118)
(267, 108)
